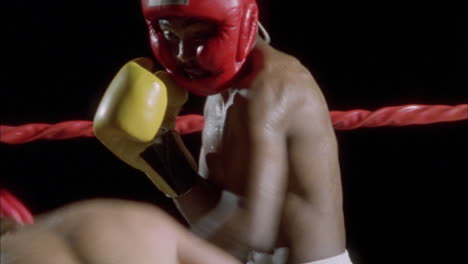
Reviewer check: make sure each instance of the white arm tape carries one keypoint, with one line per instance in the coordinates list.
(216, 218)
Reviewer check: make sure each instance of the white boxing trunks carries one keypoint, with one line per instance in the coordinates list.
(280, 256)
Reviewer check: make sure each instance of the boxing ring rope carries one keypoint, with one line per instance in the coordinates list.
(405, 115)
(342, 120)
(11, 207)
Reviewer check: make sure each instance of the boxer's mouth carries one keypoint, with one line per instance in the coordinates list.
(195, 72)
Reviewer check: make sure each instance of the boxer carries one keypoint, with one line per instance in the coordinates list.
(267, 138)
(107, 232)
(269, 160)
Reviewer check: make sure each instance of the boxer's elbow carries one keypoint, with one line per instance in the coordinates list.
(261, 235)
(262, 242)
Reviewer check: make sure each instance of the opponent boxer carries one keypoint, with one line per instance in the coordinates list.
(268, 137)
(107, 232)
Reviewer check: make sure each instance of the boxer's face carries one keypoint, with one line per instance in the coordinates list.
(185, 36)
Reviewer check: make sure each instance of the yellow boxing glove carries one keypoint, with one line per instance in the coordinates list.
(135, 121)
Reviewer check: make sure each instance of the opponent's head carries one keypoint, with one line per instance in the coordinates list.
(202, 43)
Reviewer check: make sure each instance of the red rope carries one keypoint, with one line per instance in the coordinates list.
(12, 208)
(31, 132)
(398, 116)
(342, 120)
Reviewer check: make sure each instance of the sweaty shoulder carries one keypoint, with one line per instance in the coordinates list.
(281, 89)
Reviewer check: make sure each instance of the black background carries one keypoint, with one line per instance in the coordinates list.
(404, 188)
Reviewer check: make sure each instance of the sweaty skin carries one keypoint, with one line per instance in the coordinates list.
(107, 232)
(278, 149)
(270, 140)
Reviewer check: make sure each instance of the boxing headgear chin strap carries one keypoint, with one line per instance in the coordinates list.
(222, 55)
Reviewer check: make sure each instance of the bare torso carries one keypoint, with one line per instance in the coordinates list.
(107, 232)
(289, 112)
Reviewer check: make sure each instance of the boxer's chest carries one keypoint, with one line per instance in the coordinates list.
(215, 117)
(224, 145)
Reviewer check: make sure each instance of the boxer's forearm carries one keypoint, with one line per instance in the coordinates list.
(197, 202)
(264, 203)
(256, 221)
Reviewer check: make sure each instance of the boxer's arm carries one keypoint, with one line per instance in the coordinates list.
(198, 201)
(290, 92)
(315, 217)
(313, 213)
(254, 222)
(266, 187)
(108, 232)
(256, 150)
(268, 111)
(256, 133)
(134, 121)
(204, 195)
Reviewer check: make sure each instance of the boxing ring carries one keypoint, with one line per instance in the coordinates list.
(405, 115)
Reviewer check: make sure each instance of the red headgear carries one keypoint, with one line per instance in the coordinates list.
(223, 55)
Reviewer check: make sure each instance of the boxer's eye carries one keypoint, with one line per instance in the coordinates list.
(200, 37)
(198, 40)
(169, 35)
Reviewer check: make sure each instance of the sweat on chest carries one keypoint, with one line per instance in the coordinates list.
(225, 141)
